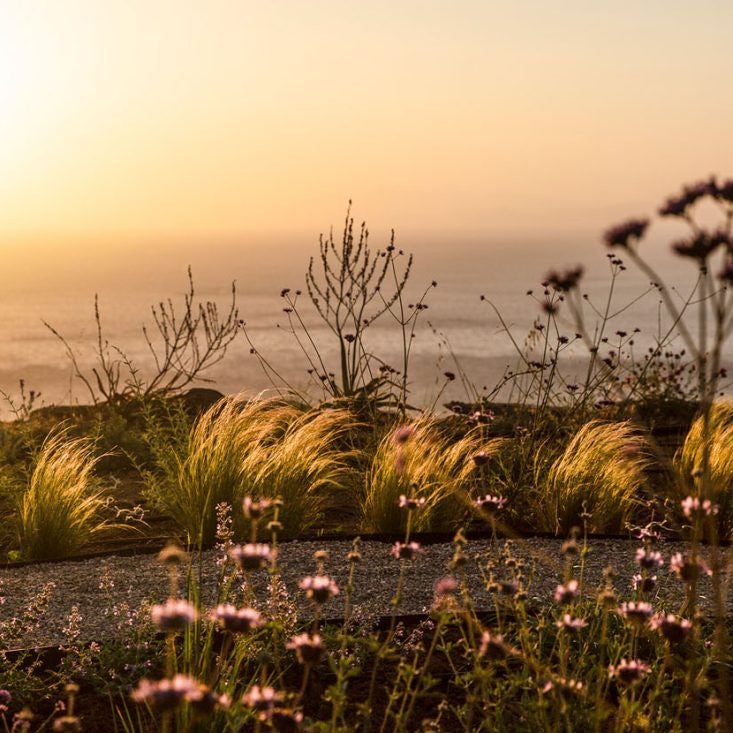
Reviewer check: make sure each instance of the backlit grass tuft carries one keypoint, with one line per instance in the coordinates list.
(418, 460)
(600, 475)
(689, 463)
(60, 511)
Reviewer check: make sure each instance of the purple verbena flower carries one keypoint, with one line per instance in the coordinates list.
(165, 694)
(252, 556)
(406, 550)
(173, 615)
(308, 647)
(319, 588)
(236, 620)
(567, 593)
(625, 234)
(629, 671)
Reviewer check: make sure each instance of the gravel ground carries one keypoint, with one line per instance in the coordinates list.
(103, 589)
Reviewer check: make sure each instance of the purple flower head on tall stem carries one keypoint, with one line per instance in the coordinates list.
(252, 556)
(626, 234)
(319, 588)
(173, 615)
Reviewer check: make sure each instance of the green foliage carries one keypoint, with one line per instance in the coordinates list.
(60, 510)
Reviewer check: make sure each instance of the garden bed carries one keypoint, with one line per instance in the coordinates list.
(99, 587)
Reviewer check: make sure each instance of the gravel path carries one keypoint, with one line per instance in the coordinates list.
(104, 590)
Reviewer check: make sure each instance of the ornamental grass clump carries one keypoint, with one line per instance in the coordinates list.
(61, 510)
(210, 467)
(601, 476)
(417, 460)
(689, 461)
(311, 466)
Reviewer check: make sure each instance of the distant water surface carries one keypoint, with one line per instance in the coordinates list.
(57, 284)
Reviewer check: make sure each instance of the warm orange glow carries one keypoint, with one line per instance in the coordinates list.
(172, 117)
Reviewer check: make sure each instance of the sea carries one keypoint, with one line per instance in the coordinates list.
(480, 312)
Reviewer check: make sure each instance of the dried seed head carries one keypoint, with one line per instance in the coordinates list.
(607, 598)
(637, 613)
(490, 503)
(625, 234)
(67, 724)
(262, 700)
(204, 701)
(570, 624)
(406, 551)
(648, 559)
(493, 646)
(686, 568)
(644, 583)
(570, 548)
(673, 628)
(411, 502)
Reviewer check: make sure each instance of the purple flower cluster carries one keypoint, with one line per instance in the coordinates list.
(173, 615)
(319, 588)
(167, 694)
(252, 556)
(625, 234)
(629, 671)
(236, 620)
(406, 550)
(565, 280)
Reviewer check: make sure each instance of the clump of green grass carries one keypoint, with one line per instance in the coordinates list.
(428, 464)
(601, 475)
(688, 462)
(193, 475)
(60, 510)
(309, 467)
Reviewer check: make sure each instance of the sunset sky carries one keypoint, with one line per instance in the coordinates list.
(221, 117)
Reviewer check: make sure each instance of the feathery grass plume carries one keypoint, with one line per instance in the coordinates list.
(61, 509)
(602, 472)
(309, 467)
(209, 468)
(689, 461)
(430, 464)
